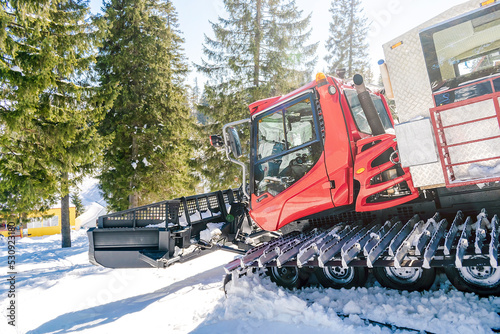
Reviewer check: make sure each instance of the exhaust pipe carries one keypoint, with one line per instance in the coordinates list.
(368, 107)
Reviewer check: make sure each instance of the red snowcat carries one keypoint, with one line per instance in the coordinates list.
(337, 190)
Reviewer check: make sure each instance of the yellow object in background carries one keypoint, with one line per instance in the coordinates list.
(38, 226)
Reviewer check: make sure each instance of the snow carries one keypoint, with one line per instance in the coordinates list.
(182, 221)
(195, 216)
(92, 212)
(59, 291)
(206, 214)
(16, 68)
(479, 171)
(351, 307)
(211, 232)
(255, 302)
(162, 224)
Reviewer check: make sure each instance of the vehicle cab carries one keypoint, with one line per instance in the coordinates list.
(313, 151)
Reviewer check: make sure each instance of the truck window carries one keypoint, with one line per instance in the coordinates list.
(287, 147)
(461, 51)
(359, 115)
(271, 136)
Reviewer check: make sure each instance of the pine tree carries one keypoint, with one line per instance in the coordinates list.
(347, 47)
(150, 125)
(259, 51)
(26, 186)
(77, 202)
(48, 111)
(195, 99)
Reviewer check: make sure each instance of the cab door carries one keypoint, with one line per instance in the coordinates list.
(338, 144)
(287, 164)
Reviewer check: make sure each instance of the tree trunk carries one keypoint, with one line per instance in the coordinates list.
(65, 225)
(258, 38)
(133, 198)
(351, 39)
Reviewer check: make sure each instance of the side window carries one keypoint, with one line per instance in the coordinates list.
(359, 114)
(464, 49)
(271, 135)
(462, 52)
(299, 123)
(287, 147)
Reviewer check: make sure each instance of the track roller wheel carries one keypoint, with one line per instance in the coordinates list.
(407, 278)
(482, 280)
(338, 277)
(287, 277)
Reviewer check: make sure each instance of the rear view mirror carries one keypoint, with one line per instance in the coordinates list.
(216, 141)
(234, 142)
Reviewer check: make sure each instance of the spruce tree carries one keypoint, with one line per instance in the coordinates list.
(26, 185)
(347, 47)
(49, 111)
(149, 124)
(260, 50)
(77, 202)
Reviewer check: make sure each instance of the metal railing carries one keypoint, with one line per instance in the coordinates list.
(180, 212)
(467, 132)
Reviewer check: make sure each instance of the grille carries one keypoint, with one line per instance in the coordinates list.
(350, 216)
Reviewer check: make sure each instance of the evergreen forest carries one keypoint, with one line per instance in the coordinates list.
(107, 95)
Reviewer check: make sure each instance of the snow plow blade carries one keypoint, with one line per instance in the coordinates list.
(154, 235)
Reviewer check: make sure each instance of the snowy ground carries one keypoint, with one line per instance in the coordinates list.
(58, 291)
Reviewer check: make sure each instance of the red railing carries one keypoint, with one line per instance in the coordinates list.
(444, 143)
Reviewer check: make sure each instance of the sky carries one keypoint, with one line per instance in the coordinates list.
(388, 19)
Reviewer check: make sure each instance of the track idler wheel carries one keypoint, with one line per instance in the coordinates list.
(482, 280)
(287, 277)
(338, 277)
(406, 278)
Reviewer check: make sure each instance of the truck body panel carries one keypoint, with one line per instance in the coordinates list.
(423, 63)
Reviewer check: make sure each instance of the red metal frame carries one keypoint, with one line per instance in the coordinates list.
(443, 146)
(363, 163)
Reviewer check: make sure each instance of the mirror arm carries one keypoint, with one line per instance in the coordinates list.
(228, 149)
